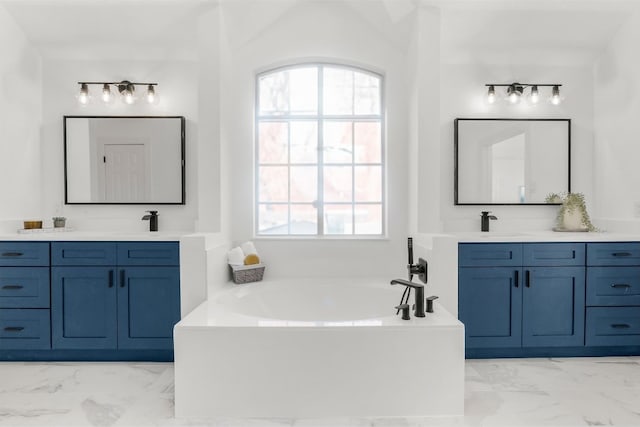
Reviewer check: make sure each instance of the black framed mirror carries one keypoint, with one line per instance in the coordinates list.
(120, 160)
(510, 161)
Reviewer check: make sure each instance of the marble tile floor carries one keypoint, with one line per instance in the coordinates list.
(499, 392)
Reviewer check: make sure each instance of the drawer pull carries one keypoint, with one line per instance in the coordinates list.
(620, 285)
(527, 279)
(620, 325)
(12, 254)
(12, 287)
(14, 328)
(517, 281)
(122, 278)
(621, 254)
(111, 278)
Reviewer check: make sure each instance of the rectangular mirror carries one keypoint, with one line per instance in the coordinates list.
(124, 160)
(511, 161)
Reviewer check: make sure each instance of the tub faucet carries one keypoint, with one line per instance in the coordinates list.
(420, 268)
(484, 220)
(153, 220)
(419, 301)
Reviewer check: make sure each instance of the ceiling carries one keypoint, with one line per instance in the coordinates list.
(491, 31)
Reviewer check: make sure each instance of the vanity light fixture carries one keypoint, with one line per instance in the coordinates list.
(126, 89)
(515, 92)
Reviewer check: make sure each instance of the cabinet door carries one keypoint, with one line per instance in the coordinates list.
(83, 308)
(148, 307)
(553, 306)
(490, 306)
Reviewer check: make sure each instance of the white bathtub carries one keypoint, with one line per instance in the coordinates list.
(316, 348)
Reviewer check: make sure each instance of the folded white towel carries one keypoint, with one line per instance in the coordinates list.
(248, 248)
(235, 256)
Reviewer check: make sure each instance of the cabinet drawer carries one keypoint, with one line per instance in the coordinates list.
(623, 253)
(612, 326)
(25, 329)
(24, 254)
(22, 287)
(489, 255)
(553, 254)
(83, 253)
(613, 286)
(148, 253)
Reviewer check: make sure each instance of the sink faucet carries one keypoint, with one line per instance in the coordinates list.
(484, 221)
(419, 301)
(153, 220)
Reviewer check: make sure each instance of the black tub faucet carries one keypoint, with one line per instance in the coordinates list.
(419, 287)
(484, 220)
(153, 220)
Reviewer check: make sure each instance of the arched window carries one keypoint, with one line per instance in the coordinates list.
(319, 151)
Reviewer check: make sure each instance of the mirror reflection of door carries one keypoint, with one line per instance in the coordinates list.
(508, 169)
(125, 172)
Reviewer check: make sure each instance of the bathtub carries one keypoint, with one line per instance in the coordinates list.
(316, 348)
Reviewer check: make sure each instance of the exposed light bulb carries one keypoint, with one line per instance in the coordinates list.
(151, 94)
(514, 92)
(555, 95)
(491, 95)
(535, 96)
(106, 93)
(128, 94)
(83, 97)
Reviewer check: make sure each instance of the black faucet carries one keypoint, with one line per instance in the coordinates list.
(153, 220)
(484, 220)
(419, 305)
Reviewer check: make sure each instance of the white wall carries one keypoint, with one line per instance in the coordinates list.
(463, 94)
(326, 31)
(617, 130)
(20, 119)
(178, 95)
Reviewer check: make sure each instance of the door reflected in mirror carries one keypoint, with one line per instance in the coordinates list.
(510, 161)
(124, 160)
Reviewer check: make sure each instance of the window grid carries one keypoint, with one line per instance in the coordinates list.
(320, 165)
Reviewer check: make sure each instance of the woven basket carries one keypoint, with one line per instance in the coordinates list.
(247, 273)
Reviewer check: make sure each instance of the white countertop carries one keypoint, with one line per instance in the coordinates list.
(543, 236)
(97, 236)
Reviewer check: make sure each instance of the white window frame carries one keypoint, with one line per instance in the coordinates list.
(320, 118)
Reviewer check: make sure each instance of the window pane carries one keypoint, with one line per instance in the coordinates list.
(367, 142)
(273, 219)
(337, 184)
(366, 94)
(304, 142)
(274, 93)
(304, 183)
(303, 90)
(338, 91)
(338, 219)
(273, 142)
(368, 219)
(368, 183)
(304, 219)
(274, 184)
(338, 144)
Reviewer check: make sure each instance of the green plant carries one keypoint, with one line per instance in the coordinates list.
(59, 218)
(570, 203)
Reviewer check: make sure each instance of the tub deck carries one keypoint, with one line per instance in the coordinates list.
(233, 365)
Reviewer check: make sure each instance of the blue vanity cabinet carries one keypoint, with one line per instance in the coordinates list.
(119, 295)
(490, 306)
(613, 294)
(553, 306)
(517, 296)
(83, 302)
(148, 306)
(24, 296)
